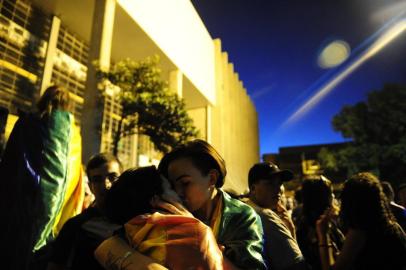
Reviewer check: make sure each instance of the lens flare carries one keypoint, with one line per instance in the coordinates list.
(334, 54)
(384, 39)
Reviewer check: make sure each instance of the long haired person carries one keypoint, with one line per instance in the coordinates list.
(374, 240)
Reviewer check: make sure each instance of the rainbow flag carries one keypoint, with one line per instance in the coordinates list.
(177, 242)
(42, 180)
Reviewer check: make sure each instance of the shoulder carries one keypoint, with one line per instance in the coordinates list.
(77, 221)
(239, 221)
(237, 209)
(241, 234)
(27, 120)
(268, 217)
(67, 237)
(73, 223)
(89, 213)
(274, 228)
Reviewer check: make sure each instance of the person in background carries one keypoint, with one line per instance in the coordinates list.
(79, 237)
(317, 197)
(42, 183)
(197, 173)
(265, 187)
(373, 240)
(298, 208)
(89, 196)
(398, 211)
(287, 203)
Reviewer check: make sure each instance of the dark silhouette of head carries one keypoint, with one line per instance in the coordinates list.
(364, 205)
(317, 196)
(268, 171)
(131, 194)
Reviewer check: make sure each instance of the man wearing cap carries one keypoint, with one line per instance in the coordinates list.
(281, 249)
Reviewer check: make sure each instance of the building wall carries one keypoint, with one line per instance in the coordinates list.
(69, 67)
(198, 116)
(201, 72)
(25, 30)
(180, 33)
(234, 129)
(23, 40)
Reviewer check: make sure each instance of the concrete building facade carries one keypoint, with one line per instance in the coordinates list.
(57, 41)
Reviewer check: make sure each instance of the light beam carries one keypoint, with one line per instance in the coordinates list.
(388, 36)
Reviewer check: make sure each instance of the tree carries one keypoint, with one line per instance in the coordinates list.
(377, 128)
(148, 106)
(327, 160)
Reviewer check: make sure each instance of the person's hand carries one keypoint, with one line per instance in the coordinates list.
(282, 211)
(285, 217)
(170, 205)
(322, 224)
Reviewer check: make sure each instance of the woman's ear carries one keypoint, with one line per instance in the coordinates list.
(214, 176)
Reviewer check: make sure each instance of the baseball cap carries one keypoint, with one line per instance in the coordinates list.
(268, 170)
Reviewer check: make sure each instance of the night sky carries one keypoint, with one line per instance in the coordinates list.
(275, 44)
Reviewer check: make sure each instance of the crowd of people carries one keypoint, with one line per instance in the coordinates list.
(178, 216)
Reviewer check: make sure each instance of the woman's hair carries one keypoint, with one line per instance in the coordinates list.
(203, 156)
(131, 194)
(316, 195)
(54, 98)
(364, 205)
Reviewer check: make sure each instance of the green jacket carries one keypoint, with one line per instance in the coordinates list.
(241, 233)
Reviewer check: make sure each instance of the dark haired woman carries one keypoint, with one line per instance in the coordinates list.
(41, 172)
(197, 173)
(317, 196)
(373, 240)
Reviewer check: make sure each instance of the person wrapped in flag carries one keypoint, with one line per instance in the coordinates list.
(197, 172)
(173, 241)
(220, 223)
(41, 176)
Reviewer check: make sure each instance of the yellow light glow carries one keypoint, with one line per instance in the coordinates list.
(334, 54)
(11, 120)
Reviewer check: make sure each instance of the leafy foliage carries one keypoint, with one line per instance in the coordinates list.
(148, 106)
(377, 128)
(327, 160)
